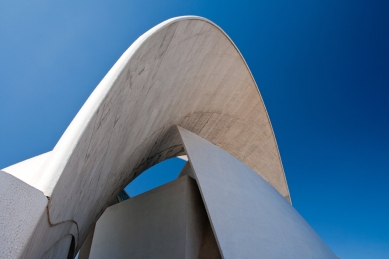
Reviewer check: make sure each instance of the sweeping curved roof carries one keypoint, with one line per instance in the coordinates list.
(185, 71)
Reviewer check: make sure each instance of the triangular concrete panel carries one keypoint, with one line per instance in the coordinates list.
(249, 217)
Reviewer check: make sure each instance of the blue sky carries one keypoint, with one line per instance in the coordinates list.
(322, 68)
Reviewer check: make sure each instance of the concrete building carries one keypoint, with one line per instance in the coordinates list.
(182, 88)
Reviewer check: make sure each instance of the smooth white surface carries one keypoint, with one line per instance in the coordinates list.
(250, 219)
(184, 157)
(27, 169)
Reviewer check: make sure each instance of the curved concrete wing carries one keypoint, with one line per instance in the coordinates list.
(185, 71)
(27, 169)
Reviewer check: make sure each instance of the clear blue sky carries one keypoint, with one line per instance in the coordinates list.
(322, 68)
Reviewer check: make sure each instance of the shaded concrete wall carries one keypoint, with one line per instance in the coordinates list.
(187, 170)
(60, 250)
(209, 248)
(167, 222)
(86, 246)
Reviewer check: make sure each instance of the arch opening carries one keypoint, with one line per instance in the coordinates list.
(157, 175)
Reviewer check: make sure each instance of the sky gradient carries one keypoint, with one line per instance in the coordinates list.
(322, 68)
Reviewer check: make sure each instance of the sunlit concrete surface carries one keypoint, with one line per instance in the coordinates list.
(26, 169)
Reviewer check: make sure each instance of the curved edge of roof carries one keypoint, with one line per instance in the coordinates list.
(260, 96)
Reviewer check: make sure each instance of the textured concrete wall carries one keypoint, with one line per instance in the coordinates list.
(46, 235)
(185, 71)
(25, 230)
(249, 217)
(21, 208)
(166, 222)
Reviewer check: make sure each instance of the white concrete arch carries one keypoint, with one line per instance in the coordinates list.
(185, 71)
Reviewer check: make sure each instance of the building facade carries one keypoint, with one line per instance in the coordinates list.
(182, 88)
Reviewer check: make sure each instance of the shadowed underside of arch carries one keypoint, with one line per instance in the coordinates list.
(185, 71)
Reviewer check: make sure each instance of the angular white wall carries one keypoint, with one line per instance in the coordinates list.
(249, 217)
(166, 222)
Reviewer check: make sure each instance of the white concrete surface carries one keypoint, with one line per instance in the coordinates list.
(21, 207)
(27, 169)
(250, 219)
(25, 230)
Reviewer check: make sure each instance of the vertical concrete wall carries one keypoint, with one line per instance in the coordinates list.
(249, 217)
(187, 170)
(209, 248)
(60, 250)
(21, 209)
(166, 222)
(86, 246)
